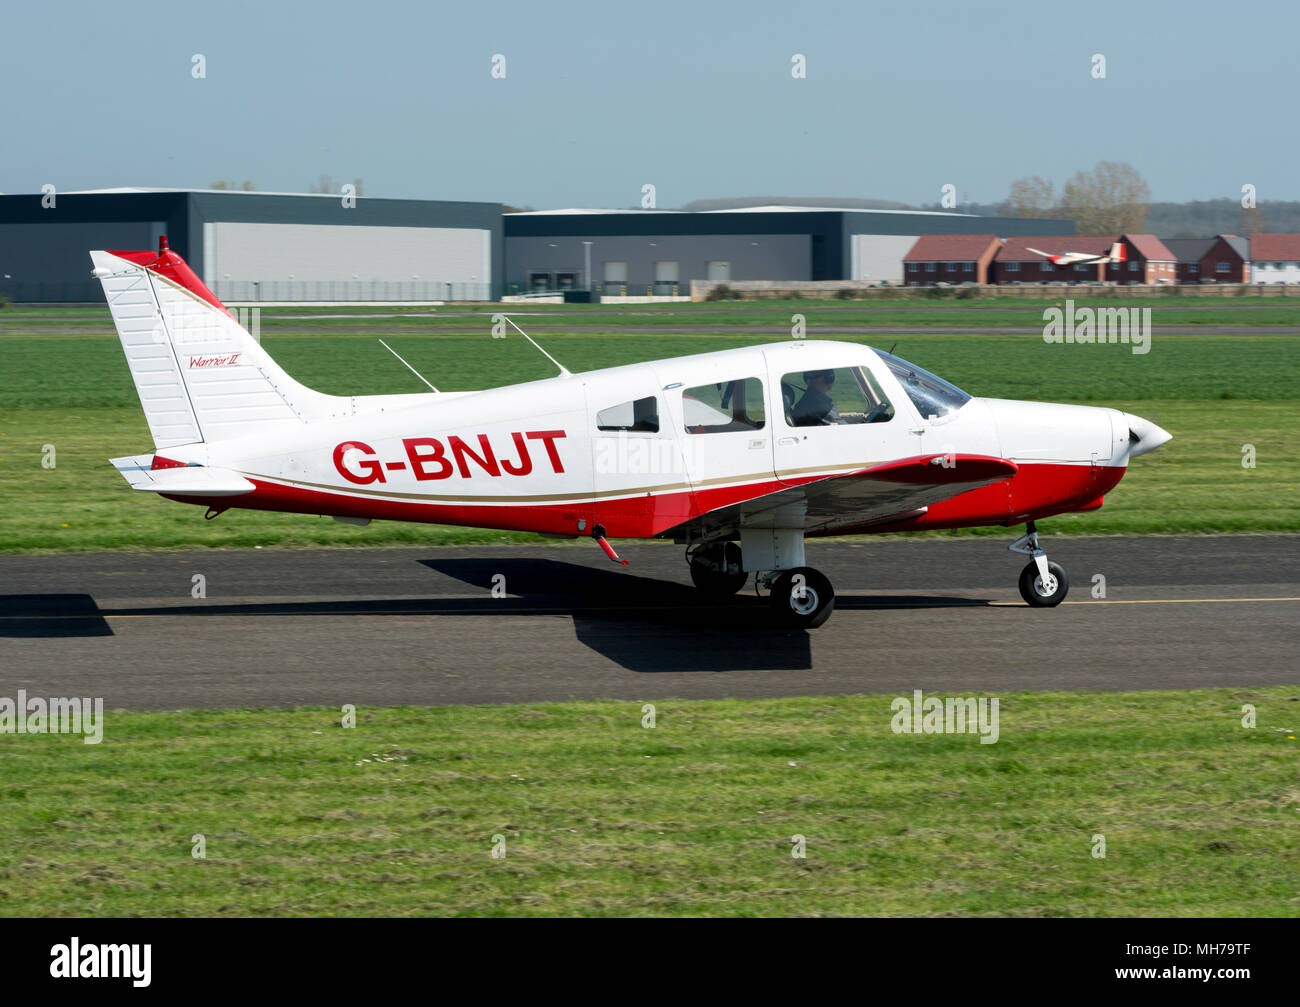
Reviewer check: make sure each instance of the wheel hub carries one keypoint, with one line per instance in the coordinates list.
(805, 604)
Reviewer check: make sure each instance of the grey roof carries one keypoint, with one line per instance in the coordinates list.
(1239, 245)
(1189, 249)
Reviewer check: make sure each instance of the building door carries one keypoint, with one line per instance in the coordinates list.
(719, 272)
(538, 280)
(665, 277)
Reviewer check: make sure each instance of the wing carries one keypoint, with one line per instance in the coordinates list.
(887, 492)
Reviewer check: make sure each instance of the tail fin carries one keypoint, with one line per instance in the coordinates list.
(1118, 252)
(199, 375)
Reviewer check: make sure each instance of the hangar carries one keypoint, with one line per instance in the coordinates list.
(256, 246)
(659, 252)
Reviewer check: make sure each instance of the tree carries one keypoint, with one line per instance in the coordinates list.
(1031, 197)
(1113, 198)
(326, 184)
(246, 186)
(1251, 221)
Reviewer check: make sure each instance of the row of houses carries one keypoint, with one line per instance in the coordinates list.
(987, 258)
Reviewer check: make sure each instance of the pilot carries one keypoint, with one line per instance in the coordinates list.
(816, 407)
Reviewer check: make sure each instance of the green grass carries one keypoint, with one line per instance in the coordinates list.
(1214, 393)
(603, 817)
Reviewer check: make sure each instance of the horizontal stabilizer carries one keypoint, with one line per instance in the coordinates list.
(182, 480)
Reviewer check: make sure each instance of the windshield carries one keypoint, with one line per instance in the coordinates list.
(932, 396)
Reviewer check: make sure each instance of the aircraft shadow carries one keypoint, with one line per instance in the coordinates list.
(642, 624)
(29, 616)
(650, 625)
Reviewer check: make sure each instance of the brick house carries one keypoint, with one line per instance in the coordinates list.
(1228, 260)
(1188, 253)
(950, 258)
(1148, 261)
(1016, 264)
(1273, 258)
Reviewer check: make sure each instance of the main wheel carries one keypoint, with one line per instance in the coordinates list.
(716, 569)
(802, 598)
(1041, 595)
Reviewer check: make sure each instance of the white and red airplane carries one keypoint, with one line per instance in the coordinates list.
(739, 455)
(1116, 254)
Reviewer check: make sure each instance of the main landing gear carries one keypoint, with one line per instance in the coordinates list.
(716, 569)
(800, 598)
(1042, 584)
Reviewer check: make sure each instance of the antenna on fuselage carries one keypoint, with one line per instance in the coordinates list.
(408, 366)
(564, 371)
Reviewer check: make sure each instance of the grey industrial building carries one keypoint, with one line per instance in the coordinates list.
(660, 251)
(269, 247)
(253, 246)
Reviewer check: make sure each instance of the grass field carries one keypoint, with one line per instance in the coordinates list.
(603, 817)
(65, 384)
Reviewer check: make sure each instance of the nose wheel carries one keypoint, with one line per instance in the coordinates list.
(1042, 584)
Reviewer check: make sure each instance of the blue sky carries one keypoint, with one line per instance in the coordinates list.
(695, 98)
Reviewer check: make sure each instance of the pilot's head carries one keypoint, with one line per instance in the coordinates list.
(821, 380)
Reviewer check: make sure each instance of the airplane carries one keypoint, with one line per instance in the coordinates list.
(1117, 253)
(738, 455)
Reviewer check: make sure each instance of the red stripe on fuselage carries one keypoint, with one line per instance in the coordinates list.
(1035, 492)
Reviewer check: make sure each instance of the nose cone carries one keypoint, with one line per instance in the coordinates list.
(1144, 435)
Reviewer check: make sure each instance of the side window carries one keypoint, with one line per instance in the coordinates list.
(641, 415)
(834, 396)
(725, 406)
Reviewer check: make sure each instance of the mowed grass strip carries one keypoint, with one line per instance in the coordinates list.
(604, 817)
(1217, 395)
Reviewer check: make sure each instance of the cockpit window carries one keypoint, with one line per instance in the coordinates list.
(932, 396)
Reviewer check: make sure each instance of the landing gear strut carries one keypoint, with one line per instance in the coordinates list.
(1042, 584)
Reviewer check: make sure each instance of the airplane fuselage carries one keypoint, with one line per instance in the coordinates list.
(532, 457)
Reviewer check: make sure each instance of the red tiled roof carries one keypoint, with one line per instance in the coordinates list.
(1275, 247)
(1150, 248)
(950, 247)
(1017, 248)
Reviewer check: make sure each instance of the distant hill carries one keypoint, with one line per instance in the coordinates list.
(1200, 218)
(740, 202)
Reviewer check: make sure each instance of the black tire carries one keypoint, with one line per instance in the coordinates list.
(716, 569)
(1031, 590)
(802, 610)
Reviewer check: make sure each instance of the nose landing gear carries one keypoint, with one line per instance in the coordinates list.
(1042, 584)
